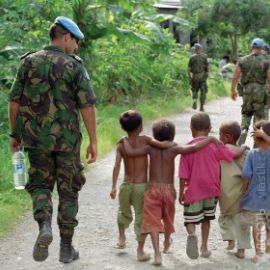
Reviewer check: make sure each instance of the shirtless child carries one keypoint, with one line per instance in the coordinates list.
(135, 182)
(160, 196)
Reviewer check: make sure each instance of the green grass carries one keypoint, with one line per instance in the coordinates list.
(14, 203)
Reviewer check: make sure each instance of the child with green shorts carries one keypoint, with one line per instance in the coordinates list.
(131, 192)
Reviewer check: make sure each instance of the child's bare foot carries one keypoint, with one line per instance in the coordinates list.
(231, 245)
(121, 244)
(167, 245)
(143, 257)
(205, 253)
(192, 247)
(267, 249)
(158, 260)
(240, 253)
(256, 258)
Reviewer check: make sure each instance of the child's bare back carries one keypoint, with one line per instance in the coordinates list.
(136, 168)
(162, 164)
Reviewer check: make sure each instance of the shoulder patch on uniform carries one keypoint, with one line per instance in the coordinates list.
(26, 54)
(76, 57)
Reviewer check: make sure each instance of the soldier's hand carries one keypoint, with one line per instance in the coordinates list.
(233, 95)
(14, 144)
(91, 153)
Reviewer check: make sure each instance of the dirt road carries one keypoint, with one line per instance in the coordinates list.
(96, 234)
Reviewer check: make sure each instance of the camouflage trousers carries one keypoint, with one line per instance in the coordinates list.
(66, 170)
(196, 87)
(254, 95)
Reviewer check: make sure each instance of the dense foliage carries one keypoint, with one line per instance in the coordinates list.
(228, 26)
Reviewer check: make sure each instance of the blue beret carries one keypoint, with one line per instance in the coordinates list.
(257, 43)
(197, 45)
(70, 26)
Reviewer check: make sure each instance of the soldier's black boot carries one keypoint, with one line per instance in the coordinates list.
(194, 105)
(202, 108)
(68, 253)
(44, 239)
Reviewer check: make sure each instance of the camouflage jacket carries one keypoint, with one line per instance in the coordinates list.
(50, 87)
(254, 68)
(198, 64)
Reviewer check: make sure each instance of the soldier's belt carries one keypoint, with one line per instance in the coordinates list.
(244, 84)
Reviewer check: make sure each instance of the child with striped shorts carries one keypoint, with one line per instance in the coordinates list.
(199, 174)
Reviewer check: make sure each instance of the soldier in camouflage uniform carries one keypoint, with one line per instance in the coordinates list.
(198, 66)
(254, 70)
(266, 51)
(51, 89)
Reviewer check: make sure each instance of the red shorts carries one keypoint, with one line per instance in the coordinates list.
(158, 208)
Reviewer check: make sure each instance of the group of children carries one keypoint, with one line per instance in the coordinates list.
(209, 171)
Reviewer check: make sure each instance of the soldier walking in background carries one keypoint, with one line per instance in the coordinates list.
(198, 68)
(254, 70)
(266, 51)
(51, 89)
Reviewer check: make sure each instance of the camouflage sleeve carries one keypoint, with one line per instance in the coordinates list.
(84, 92)
(17, 87)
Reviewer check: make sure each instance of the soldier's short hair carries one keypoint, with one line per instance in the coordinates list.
(232, 128)
(265, 125)
(200, 121)
(163, 130)
(57, 31)
(130, 120)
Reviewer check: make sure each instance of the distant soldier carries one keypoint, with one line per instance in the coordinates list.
(198, 66)
(255, 71)
(266, 51)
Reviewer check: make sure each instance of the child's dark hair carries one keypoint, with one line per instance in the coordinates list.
(231, 127)
(200, 121)
(265, 125)
(163, 130)
(130, 120)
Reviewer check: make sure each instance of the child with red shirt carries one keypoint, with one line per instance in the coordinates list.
(199, 174)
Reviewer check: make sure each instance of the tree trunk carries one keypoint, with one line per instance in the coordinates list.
(234, 46)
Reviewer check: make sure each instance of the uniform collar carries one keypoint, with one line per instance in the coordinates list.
(54, 48)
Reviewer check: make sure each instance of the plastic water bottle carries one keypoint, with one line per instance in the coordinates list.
(19, 173)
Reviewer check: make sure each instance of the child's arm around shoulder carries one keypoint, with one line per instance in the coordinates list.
(160, 144)
(116, 169)
(259, 133)
(237, 150)
(134, 152)
(185, 149)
